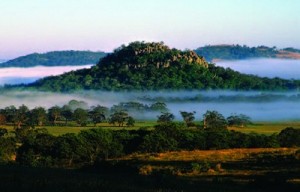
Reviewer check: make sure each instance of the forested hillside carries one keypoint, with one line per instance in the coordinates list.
(55, 58)
(236, 52)
(153, 66)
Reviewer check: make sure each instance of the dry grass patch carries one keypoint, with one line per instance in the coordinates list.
(224, 155)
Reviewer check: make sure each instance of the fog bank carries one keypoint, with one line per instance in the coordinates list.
(278, 105)
(17, 75)
(283, 68)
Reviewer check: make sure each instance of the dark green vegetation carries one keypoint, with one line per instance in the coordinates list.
(236, 52)
(154, 66)
(260, 97)
(55, 58)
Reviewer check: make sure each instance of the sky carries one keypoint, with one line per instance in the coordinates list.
(28, 26)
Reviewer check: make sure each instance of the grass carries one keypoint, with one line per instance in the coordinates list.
(223, 155)
(266, 128)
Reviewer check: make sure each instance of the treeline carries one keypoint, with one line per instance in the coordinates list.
(235, 52)
(56, 58)
(36, 147)
(76, 111)
(154, 66)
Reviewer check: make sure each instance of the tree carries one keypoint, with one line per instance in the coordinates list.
(38, 116)
(238, 120)
(213, 120)
(118, 117)
(98, 114)
(97, 143)
(289, 137)
(188, 117)
(130, 122)
(165, 137)
(74, 104)
(37, 150)
(54, 114)
(21, 116)
(80, 116)
(159, 106)
(9, 113)
(165, 117)
(68, 148)
(67, 113)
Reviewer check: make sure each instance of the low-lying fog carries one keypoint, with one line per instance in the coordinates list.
(260, 106)
(16, 75)
(283, 68)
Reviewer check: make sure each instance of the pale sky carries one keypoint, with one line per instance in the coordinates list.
(28, 26)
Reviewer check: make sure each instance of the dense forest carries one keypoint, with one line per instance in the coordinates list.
(154, 66)
(55, 58)
(236, 52)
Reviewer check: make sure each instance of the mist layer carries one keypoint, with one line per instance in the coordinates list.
(15, 75)
(283, 68)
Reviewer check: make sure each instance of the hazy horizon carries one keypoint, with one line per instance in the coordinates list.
(41, 26)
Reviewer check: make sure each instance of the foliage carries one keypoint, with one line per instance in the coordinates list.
(98, 114)
(54, 113)
(213, 120)
(188, 117)
(240, 120)
(165, 117)
(119, 117)
(130, 122)
(38, 116)
(7, 149)
(99, 144)
(289, 137)
(81, 116)
(231, 52)
(165, 137)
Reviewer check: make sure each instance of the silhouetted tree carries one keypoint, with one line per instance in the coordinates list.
(165, 117)
(188, 117)
(213, 120)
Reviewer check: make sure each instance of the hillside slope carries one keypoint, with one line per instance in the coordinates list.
(154, 66)
(55, 58)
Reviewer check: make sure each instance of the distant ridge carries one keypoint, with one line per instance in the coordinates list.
(237, 52)
(55, 58)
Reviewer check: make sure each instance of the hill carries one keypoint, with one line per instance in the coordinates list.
(154, 66)
(236, 52)
(55, 58)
